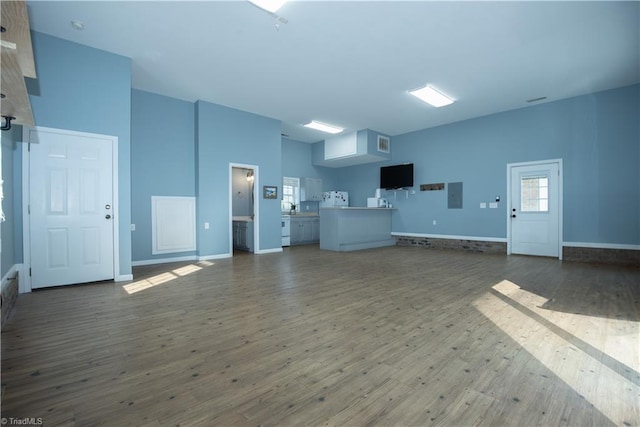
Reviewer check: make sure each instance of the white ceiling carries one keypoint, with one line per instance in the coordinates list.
(351, 63)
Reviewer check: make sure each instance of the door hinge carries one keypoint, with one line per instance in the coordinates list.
(29, 146)
(29, 271)
(28, 209)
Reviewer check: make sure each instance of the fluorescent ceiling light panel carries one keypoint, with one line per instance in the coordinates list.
(269, 5)
(323, 127)
(431, 96)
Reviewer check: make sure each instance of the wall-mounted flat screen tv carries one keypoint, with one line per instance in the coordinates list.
(396, 177)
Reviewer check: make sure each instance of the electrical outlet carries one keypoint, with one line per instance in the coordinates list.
(434, 222)
(133, 227)
(206, 225)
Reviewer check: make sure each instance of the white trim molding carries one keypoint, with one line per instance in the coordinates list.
(164, 260)
(256, 205)
(30, 136)
(269, 251)
(173, 224)
(560, 199)
(218, 256)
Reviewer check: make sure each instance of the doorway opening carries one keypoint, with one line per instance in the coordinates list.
(243, 205)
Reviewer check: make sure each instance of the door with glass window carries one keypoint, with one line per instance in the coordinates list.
(535, 209)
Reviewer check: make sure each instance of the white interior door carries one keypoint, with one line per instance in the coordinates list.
(535, 209)
(71, 209)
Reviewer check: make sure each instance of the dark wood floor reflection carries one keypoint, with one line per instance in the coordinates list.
(392, 336)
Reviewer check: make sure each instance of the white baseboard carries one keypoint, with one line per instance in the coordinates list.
(219, 256)
(269, 251)
(124, 277)
(164, 260)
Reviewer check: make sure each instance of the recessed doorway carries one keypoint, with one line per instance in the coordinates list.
(243, 208)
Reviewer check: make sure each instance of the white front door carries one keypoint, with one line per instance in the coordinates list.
(71, 209)
(535, 209)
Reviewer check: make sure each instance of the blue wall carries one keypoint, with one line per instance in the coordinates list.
(184, 149)
(162, 159)
(223, 136)
(173, 147)
(297, 162)
(596, 135)
(88, 90)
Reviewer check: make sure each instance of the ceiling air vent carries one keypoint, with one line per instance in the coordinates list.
(384, 144)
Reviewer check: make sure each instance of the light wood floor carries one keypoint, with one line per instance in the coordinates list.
(392, 336)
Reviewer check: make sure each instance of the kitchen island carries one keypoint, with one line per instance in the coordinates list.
(345, 229)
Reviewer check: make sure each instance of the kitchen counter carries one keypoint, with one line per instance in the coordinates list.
(359, 208)
(305, 214)
(346, 229)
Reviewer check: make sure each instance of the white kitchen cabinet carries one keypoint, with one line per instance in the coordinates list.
(341, 146)
(310, 190)
(305, 230)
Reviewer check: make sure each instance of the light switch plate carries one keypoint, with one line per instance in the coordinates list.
(483, 205)
(493, 205)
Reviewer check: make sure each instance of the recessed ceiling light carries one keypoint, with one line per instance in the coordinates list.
(269, 5)
(431, 96)
(78, 25)
(323, 127)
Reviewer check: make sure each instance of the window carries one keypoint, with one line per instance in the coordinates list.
(534, 194)
(290, 193)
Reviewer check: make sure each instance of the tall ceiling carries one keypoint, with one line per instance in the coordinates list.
(351, 63)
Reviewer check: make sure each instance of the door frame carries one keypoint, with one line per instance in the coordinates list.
(510, 166)
(256, 205)
(30, 136)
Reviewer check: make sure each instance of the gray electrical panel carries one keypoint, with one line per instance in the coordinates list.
(454, 195)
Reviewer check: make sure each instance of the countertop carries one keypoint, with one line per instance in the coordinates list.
(302, 214)
(359, 208)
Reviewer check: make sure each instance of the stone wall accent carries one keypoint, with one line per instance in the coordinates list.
(8, 298)
(625, 257)
(453, 244)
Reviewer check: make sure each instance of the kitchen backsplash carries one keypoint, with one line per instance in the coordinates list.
(309, 207)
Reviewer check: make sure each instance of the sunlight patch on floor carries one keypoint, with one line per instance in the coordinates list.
(616, 397)
(165, 277)
(618, 338)
(187, 269)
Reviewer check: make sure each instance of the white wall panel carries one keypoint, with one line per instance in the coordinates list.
(173, 224)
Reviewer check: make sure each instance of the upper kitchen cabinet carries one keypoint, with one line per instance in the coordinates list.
(354, 148)
(17, 62)
(310, 190)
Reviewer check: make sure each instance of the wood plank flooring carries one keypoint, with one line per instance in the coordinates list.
(394, 336)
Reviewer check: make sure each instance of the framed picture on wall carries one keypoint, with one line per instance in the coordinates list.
(270, 192)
